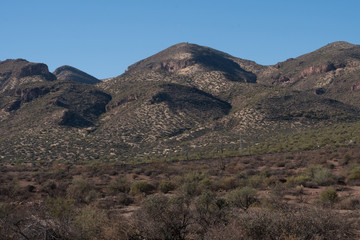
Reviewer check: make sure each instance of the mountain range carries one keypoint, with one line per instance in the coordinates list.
(187, 101)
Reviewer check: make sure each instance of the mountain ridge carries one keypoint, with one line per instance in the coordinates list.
(186, 99)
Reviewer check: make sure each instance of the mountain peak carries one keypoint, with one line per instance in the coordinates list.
(188, 59)
(67, 72)
(338, 45)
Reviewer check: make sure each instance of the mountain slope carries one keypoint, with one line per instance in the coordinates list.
(19, 71)
(185, 100)
(333, 70)
(189, 59)
(74, 74)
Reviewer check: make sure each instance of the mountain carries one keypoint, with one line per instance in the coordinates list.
(14, 72)
(74, 74)
(333, 70)
(190, 59)
(183, 101)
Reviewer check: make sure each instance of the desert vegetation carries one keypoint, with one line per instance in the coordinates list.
(299, 195)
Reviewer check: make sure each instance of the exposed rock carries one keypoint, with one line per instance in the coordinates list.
(316, 70)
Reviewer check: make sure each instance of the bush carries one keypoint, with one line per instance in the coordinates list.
(354, 173)
(59, 207)
(227, 183)
(120, 185)
(324, 177)
(328, 196)
(242, 197)
(166, 186)
(210, 210)
(285, 224)
(82, 191)
(89, 223)
(163, 218)
(314, 175)
(141, 187)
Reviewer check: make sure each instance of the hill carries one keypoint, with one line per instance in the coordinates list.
(14, 72)
(187, 101)
(74, 74)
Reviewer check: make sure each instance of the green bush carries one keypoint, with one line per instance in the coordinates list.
(354, 173)
(328, 196)
(89, 223)
(242, 197)
(166, 186)
(324, 177)
(141, 187)
(312, 176)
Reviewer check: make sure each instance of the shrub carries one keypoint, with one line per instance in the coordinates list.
(119, 185)
(89, 223)
(227, 183)
(210, 210)
(82, 191)
(314, 175)
(166, 186)
(284, 224)
(242, 197)
(141, 187)
(163, 218)
(324, 177)
(59, 207)
(328, 196)
(192, 184)
(354, 173)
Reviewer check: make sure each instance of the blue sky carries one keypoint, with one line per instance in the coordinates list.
(104, 37)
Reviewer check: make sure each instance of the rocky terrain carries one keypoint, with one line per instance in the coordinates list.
(74, 74)
(187, 101)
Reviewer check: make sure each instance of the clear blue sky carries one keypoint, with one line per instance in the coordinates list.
(104, 37)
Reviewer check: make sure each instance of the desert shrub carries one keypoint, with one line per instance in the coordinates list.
(119, 185)
(354, 173)
(298, 180)
(285, 224)
(351, 203)
(324, 177)
(82, 191)
(60, 207)
(166, 186)
(89, 223)
(328, 196)
(141, 187)
(242, 197)
(227, 183)
(163, 218)
(345, 160)
(210, 211)
(192, 184)
(314, 175)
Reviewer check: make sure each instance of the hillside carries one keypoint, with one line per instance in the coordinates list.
(14, 72)
(187, 101)
(74, 74)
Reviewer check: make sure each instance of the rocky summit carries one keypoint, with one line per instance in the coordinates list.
(187, 101)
